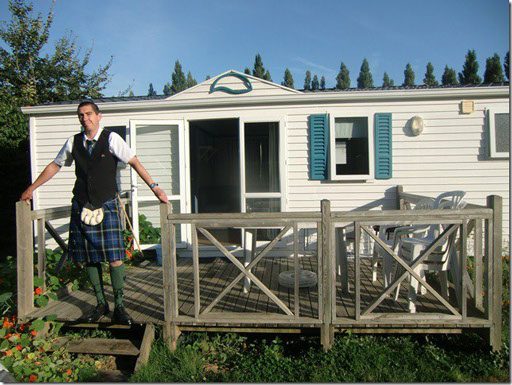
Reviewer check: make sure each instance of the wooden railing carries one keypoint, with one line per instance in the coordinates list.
(26, 221)
(483, 287)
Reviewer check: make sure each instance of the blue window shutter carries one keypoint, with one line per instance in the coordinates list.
(318, 146)
(383, 147)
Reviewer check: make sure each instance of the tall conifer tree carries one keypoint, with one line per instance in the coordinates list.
(258, 70)
(365, 79)
(506, 64)
(322, 83)
(469, 74)
(343, 78)
(191, 82)
(151, 90)
(288, 79)
(430, 79)
(179, 82)
(493, 70)
(167, 89)
(307, 81)
(449, 77)
(408, 76)
(315, 84)
(386, 81)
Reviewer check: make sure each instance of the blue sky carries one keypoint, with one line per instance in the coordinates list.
(146, 37)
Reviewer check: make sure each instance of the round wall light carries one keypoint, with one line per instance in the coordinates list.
(416, 125)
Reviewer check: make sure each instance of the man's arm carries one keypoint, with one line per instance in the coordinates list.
(47, 174)
(137, 166)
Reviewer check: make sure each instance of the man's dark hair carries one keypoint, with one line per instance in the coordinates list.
(89, 103)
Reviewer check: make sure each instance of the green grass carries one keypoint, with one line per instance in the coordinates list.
(202, 357)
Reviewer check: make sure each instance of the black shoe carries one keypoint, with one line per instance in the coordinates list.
(99, 311)
(121, 316)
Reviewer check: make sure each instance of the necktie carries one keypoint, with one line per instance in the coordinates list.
(89, 146)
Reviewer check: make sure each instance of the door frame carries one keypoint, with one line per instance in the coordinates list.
(181, 197)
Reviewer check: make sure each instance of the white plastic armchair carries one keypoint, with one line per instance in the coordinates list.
(393, 241)
(439, 260)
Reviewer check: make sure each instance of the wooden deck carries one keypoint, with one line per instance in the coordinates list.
(144, 296)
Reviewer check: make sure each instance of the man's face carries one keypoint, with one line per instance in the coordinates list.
(89, 120)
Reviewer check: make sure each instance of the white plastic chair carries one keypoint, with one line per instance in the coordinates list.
(393, 241)
(438, 260)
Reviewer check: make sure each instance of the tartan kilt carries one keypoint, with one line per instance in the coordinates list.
(99, 243)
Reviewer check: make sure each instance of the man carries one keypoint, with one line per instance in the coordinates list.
(96, 153)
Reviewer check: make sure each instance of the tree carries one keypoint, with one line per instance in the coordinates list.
(151, 90)
(307, 81)
(430, 79)
(167, 89)
(505, 65)
(247, 71)
(408, 76)
(322, 83)
(258, 70)
(469, 74)
(493, 70)
(343, 78)
(131, 94)
(288, 79)
(179, 82)
(315, 83)
(386, 81)
(191, 82)
(365, 80)
(33, 72)
(449, 77)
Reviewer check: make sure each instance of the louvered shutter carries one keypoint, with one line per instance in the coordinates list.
(318, 146)
(383, 147)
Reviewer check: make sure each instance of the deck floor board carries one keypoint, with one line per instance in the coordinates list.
(144, 293)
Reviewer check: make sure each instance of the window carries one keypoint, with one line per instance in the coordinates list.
(120, 130)
(499, 133)
(351, 143)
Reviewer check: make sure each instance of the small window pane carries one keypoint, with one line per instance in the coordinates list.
(262, 157)
(502, 127)
(351, 142)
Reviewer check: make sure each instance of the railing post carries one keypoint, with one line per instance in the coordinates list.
(170, 329)
(25, 259)
(495, 202)
(400, 202)
(328, 291)
(41, 251)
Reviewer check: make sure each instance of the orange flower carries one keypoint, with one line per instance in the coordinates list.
(129, 239)
(38, 362)
(8, 353)
(22, 327)
(38, 291)
(69, 372)
(33, 332)
(32, 378)
(19, 347)
(128, 253)
(60, 279)
(41, 350)
(17, 335)
(7, 336)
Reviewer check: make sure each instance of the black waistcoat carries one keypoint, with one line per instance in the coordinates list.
(95, 174)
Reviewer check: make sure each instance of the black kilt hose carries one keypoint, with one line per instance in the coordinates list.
(100, 243)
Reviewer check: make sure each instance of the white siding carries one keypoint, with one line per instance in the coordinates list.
(450, 154)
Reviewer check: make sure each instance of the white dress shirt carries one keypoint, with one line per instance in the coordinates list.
(116, 145)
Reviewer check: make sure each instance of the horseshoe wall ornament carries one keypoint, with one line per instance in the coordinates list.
(244, 79)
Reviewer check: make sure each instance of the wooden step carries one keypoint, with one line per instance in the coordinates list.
(121, 347)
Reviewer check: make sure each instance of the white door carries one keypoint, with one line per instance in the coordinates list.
(159, 145)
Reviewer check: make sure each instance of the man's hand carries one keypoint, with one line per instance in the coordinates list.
(27, 195)
(160, 194)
